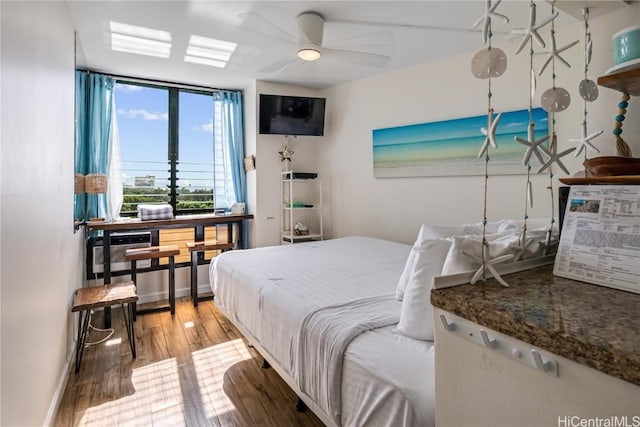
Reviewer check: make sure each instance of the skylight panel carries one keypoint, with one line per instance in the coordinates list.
(206, 51)
(140, 40)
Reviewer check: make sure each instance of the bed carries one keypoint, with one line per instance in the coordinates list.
(324, 315)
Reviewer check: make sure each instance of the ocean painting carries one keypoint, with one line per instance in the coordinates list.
(450, 147)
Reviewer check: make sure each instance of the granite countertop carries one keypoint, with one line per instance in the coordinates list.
(593, 325)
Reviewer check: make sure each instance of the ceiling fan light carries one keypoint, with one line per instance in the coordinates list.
(308, 54)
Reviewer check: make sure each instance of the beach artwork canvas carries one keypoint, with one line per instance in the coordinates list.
(450, 147)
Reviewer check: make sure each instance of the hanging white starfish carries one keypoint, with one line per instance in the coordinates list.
(487, 263)
(490, 133)
(532, 145)
(554, 156)
(532, 29)
(489, 12)
(555, 52)
(584, 142)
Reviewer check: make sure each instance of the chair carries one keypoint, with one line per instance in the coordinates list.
(194, 249)
(87, 299)
(155, 252)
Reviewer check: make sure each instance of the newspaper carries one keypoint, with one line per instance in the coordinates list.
(600, 241)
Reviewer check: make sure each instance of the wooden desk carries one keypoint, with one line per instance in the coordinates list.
(198, 222)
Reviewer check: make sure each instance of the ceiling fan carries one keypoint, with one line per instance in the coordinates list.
(309, 45)
(309, 42)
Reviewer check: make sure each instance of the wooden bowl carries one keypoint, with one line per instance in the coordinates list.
(612, 166)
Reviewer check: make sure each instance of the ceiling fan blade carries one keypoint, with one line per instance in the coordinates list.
(357, 58)
(380, 42)
(278, 65)
(259, 24)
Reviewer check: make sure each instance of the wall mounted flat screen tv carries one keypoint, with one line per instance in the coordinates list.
(291, 115)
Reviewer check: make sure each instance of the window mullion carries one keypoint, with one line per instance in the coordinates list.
(173, 147)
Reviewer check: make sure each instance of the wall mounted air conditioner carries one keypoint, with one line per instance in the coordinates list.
(120, 242)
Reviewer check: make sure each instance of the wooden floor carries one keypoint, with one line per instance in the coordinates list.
(194, 369)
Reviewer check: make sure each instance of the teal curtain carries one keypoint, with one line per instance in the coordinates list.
(94, 100)
(230, 186)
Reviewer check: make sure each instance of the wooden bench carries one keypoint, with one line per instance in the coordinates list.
(87, 299)
(194, 249)
(154, 252)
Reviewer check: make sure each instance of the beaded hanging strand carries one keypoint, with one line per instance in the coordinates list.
(528, 190)
(485, 245)
(552, 141)
(622, 147)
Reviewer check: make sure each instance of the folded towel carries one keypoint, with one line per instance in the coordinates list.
(150, 212)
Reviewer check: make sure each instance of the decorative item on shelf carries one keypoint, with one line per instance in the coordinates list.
(626, 56)
(300, 229)
(96, 183)
(612, 166)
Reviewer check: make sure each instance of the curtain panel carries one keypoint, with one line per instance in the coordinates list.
(94, 103)
(230, 186)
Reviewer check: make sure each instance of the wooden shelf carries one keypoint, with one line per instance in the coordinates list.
(625, 81)
(620, 179)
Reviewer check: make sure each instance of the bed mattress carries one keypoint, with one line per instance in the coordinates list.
(270, 291)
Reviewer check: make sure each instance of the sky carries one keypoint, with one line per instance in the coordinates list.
(143, 128)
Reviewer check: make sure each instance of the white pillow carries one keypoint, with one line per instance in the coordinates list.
(458, 262)
(416, 315)
(428, 232)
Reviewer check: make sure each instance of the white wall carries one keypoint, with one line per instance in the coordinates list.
(40, 254)
(269, 166)
(394, 208)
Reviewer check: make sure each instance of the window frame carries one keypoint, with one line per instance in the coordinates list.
(173, 140)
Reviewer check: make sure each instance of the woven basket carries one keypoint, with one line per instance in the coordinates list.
(95, 183)
(78, 183)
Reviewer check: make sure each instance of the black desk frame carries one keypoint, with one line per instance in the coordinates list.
(198, 222)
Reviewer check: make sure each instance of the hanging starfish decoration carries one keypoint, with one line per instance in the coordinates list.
(523, 245)
(532, 145)
(532, 29)
(489, 12)
(487, 263)
(554, 156)
(286, 154)
(555, 52)
(584, 142)
(490, 133)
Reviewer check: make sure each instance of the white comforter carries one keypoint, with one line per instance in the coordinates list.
(271, 291)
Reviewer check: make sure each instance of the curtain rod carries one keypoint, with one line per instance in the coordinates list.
(158, 82)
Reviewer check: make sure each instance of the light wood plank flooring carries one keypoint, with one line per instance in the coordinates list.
(194, 370)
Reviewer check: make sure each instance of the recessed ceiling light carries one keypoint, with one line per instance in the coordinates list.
(206, 51)
(140, 40)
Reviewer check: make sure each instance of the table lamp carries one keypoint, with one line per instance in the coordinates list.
(96, 183)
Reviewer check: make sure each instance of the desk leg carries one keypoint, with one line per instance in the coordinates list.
(106, 255)
(240, 236)
(194, 278)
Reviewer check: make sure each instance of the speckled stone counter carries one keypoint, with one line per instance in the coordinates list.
(593, 325)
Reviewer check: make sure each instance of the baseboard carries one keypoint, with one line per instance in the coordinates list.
(163, 295)
(50, 420)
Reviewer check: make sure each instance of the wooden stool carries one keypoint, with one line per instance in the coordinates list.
(194, 249)
(87, 299)
(152, 252)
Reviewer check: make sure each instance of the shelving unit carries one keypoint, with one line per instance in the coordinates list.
(301, 200)
(625, 81)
